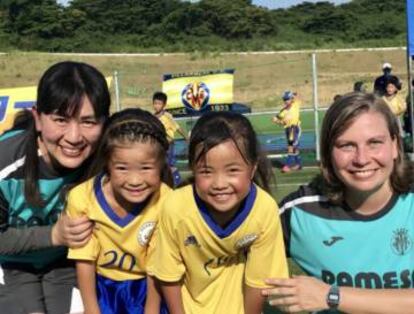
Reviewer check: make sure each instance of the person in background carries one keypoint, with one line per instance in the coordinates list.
(289, 118)
(37, 164)
(359, 86)
(380, 84)
(159, 102)
(351, 229)
(396, 103)
(337, 97)
(123, 200)
(408, 113)
(219, 238)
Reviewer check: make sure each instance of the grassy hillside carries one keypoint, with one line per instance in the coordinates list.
(259, 78)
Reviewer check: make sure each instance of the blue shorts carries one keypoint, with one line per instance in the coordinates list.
(293, 135)
(123, 297)
(171, 155)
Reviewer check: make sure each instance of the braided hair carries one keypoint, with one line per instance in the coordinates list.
(131, 126)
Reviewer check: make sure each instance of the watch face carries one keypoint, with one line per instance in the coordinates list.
(332, 299)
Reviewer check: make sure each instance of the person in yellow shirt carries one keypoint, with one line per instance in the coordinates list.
(289, 118)
(123, 200)
(159, 102)
(219, 238)
(396, 103)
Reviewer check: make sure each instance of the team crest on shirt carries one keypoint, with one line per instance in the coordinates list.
(401, 242)
(145, 232)
(246, 241)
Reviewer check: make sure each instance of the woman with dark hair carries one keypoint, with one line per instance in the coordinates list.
(352, 228)
(37, 164)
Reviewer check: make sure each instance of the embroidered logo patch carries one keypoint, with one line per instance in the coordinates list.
(401, 242)
(246, 241)
(145, 232)
(332, 240)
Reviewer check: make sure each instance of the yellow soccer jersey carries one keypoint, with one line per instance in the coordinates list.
(119, 246)
(290, 116)
(214, 262)
(170, 125)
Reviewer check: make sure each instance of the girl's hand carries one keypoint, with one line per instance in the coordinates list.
(275, 120)
(300, 293)
(71, 232)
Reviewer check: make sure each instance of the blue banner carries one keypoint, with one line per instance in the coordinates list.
(410, 27)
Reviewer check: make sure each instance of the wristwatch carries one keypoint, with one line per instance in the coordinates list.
(333, 297)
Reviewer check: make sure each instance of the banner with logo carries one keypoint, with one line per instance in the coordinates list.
(195, 91)
(14, 99)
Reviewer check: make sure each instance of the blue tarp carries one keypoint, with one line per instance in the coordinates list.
(410, 27)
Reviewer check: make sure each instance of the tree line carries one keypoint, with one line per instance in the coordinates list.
(208, 25)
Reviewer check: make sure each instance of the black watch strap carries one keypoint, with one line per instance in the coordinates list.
(333, 297)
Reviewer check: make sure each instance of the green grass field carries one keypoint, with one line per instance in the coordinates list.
(273, 133)
(262, 121)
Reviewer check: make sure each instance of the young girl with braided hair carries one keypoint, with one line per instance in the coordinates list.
(131, 179)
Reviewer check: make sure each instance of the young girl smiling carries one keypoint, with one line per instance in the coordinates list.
(124, 201)
(220, 237)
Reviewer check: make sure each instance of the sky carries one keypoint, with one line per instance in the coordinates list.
(271, 4)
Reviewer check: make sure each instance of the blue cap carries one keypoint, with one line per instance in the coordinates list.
(287, 95)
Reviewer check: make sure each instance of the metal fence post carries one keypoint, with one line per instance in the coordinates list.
(116, 86)
(315, 105)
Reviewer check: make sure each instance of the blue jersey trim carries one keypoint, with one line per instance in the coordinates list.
(237, 220)
(103, 203)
